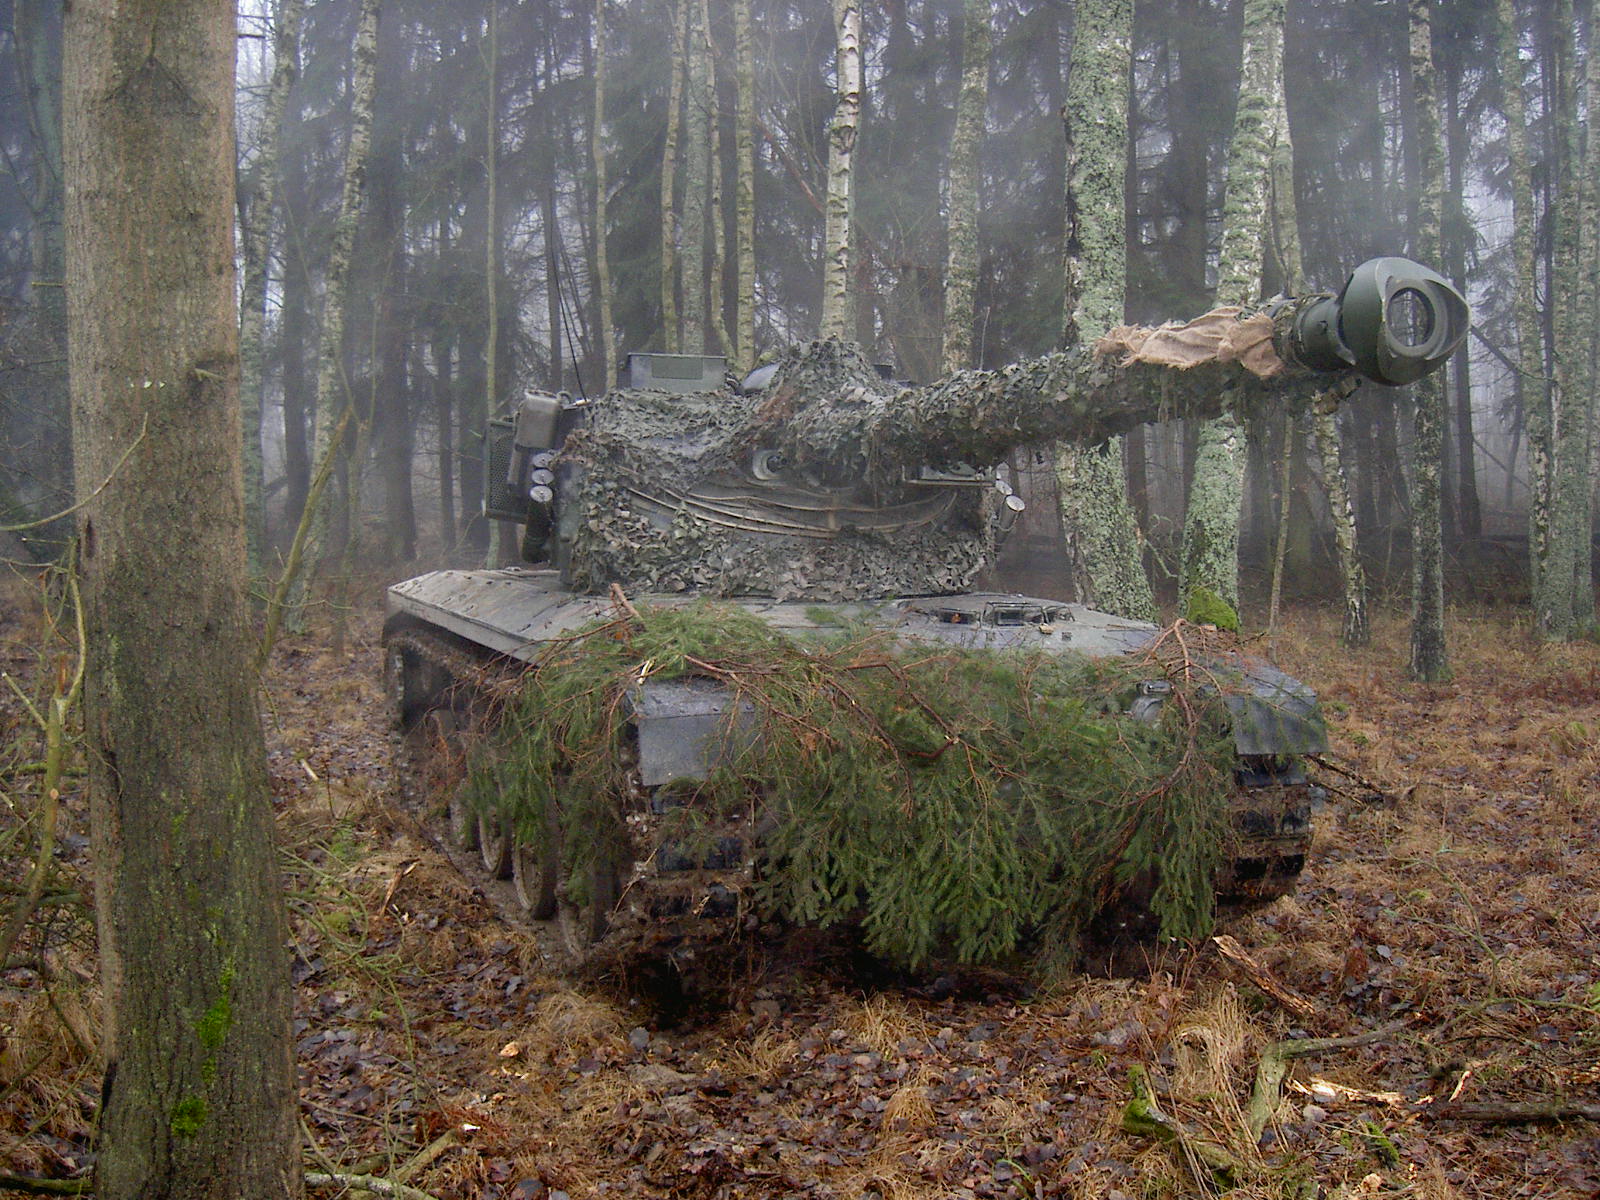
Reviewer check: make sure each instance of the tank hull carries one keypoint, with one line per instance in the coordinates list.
(455, 637)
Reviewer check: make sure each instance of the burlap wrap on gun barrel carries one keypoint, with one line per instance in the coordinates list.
(1220, 335)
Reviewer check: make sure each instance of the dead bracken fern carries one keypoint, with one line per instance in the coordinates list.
(951, 802)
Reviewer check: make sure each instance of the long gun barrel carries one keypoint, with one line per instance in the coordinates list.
(1393, 322)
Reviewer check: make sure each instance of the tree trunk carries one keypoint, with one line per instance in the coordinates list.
(256, 245)
(294, 335)
(333, 391)
(36, 33)
(491, 258)
(444, 419)
(1429, 659)
(1210, 553)
(717, 283)
(836, 321)
(389, 409)
(744, 191)
(961, 262)
(1529, 381)
(199, 1097)
(597, 154)
(1564, 608)
(1104, 544)
(669, 176)
(1469, 512)
(696, 180)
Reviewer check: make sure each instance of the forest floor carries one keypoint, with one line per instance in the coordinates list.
(1456, 922)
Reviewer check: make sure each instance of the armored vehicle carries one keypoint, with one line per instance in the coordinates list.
(817, 492)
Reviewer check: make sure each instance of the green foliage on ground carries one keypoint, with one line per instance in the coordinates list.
(952, 802)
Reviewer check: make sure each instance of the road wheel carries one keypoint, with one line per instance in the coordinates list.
(535, 869)
(494, 844)
(585, 918)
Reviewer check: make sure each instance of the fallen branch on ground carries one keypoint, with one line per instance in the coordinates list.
(1274, 1066)
(1143, 1117)
(1264, 979)
(45, 1187)
(1511, 1112)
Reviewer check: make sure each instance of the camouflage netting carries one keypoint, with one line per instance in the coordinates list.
(951, 803)
(801, 489)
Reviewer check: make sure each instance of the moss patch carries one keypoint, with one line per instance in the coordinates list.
(188, 1117)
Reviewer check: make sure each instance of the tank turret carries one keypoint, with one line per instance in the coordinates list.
(818, 477)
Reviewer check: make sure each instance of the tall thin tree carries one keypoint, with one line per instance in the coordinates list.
(597, 155)
(1106, 548)
(744, 189)
(961, 258)
(1211, 521)
(256, 244)
(836, 316)
(1429, 657)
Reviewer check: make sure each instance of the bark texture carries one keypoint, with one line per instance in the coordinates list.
(597, 154)
(961, 261)
(1211, 519)
(198, 1099)
(1102, 536)
(669, 179)
(1429, 659)
(744, 191)
(836, 316)
(1564, 603)
(256, 244)
(696, 181)
(1530, 380)
(333, 393)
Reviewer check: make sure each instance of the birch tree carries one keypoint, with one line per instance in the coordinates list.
(669, 178)
(696, 179)
(1284, 238)
(836, 316)
(491, 264)
(1564, 603)
(332, 394)
(1107, 566)
(256, 243)
(1529, 379)
(198, 1098)
(961, 261)
(1211, 523)
(1429, 658)
(597, 156)
(744, 190)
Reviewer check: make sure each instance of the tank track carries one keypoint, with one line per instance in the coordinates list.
(682, 906)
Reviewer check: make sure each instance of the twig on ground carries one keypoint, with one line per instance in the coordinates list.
(367, 1183)
(1376, 793)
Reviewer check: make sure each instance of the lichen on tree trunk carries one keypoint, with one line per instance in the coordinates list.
(1210, 553)
(1102, 536)
(1429, 658)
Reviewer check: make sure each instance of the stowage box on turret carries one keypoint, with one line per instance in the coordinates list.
(817, 485)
